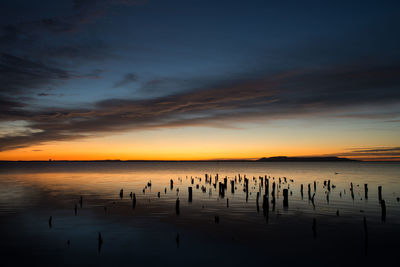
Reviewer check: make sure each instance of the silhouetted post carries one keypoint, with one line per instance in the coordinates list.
(309, 192)
(314, 227)
(329, 185)
(121, 193)
(266, 205)
(257, 198)
(301, 191)
(226, 182)
(81, 201)
(133, 201)
(273, 190)
(172, 184)
(366, 191)
(177, 206)
(190, 190)
(266, 185)
(352, 191)
(246, 182)
(380, 193)
(273, 203)
(383, 207)
(227, 202)
(315, 186)
(285, 198)
(221, 190)
(100, 242)
(232, 187)
(365, 237)
(312, 201)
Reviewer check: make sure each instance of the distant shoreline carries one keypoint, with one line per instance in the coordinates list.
(264, 159)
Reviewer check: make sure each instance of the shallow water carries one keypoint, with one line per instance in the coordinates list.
(146, 234)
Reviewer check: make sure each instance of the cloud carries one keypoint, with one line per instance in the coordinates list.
(40, 54)
(127, 79)
(20, 74)
(294, 94)
(373, 153)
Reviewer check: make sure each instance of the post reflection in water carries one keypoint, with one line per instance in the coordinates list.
(207, 213)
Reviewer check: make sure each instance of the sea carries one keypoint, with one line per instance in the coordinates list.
(238, 214)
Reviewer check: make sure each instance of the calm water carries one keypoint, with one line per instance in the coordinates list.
(147, 234)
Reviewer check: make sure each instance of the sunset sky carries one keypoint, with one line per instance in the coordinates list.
(169, 80)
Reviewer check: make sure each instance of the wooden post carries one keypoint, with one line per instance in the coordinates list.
(221, 190)
(285, 198)
(134, 201)
(172, 184)
(266, 205)
(366, 191)
(233, 187)
(273, 189)
(190, 193)
(380, 193)
(301, 191)
(383, 207)
(177, 210)
(100, 242)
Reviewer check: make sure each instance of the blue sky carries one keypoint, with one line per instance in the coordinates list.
(77, 68)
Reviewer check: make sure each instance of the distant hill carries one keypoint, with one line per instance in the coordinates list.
(304, 159)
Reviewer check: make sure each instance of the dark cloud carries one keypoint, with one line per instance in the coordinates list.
(374, 153)
(127, 79)
(295, 94)
(28, 63)
(20, 75)
(17, 75)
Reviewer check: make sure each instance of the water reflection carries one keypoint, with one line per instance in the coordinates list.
(154, 210)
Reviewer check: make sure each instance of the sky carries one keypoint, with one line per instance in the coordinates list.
(187, 80)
